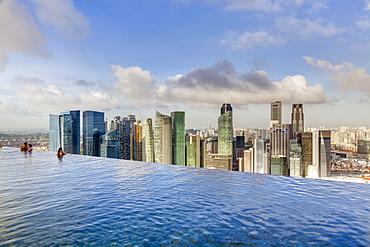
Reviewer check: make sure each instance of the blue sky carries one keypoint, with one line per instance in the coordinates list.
(136, 57)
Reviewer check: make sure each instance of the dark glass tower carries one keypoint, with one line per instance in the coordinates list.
(125, 127)
(93, 128)
(70, 129)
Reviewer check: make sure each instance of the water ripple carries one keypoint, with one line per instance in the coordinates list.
(107, 202)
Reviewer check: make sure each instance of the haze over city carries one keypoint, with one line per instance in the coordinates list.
(136, 57)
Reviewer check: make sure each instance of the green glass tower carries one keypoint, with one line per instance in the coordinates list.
(225, 130)
(178, 137)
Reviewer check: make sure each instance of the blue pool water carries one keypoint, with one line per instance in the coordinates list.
(106, 202)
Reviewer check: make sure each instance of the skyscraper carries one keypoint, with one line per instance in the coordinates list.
(297, 119)
(225, 130)
(178, 126)
(54, 132)
(163, 139)
(305, 139)
(109, 148)
(321, 165)
(70, 131)
(276, 113)
(147, 141)
(93, 127)
(135, 142)
(125, 127)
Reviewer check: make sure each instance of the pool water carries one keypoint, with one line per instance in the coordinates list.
(93, 201)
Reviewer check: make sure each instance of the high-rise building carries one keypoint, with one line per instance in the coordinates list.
(93, 127)
(297, 119)
(296, 165)
(305, 139)
(194, 151)
(110, 143)
(246, 165)
(260, 157)
(219, 161)
(54, 132)
(178, 126)
(163, 139)
(280, 140)
(70, 131)
(276, 113)
(225, 130)
(136, 141)
(321, 162)
(147, 141)
(125, 126)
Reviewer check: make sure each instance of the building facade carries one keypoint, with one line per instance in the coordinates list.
(93, 127)
(225, 130)
(178, 127)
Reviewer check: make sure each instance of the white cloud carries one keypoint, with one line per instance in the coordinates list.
(134, 84)
(364, 24)
(221, 83)
(346, 75)
(39, 96)
(64, 18)
(19, 32)
(262, 5)
(367, 4)
(250, 40)
(306, 29)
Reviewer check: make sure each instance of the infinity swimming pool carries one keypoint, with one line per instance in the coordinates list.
(107, 202)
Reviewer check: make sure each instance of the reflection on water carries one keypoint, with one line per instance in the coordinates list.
(97, 201)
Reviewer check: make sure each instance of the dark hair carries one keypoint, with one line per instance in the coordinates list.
(30, 145)
(60, 149)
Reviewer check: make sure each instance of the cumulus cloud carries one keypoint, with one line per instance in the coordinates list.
(346, 75)
(64, 18)
(367, 4)
(306, 28)
(19, 32)
(250, 40)
(221, 83)
(364, 24)
(39, 96)
(134, 84)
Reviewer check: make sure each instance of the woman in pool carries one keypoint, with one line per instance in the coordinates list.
(60, 153)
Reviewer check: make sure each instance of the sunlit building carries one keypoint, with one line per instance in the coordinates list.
(163, 139)
(225, 130)
(178, 127)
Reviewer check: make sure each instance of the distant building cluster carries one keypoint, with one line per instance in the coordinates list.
(283, 149)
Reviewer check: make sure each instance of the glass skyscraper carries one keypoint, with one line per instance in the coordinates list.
(276, 113)
(93, 128)
(125, 127)
(70, 131)
(297, 119)
(109, 148)
(54, 132)
(225, 130)
(178, 126)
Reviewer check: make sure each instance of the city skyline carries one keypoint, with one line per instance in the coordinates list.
(137, 57)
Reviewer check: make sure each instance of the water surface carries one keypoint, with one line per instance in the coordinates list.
(107, 202)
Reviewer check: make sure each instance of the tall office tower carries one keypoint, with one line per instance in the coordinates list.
(110, 143)
(125, 126)
(135, 142)
(296, 165)
(93, 127)
(70, 131)
(147, 141)
(212, 145)
(276, 113)
(321, 163)
(54, 132)
(162, 139)
(195, 151)
(297, 119)
(280, 147)
(178, 126)
(225, 130)
(247, 164)
(260, 157)
(114, 124)
(305, 139)
(280, 139)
